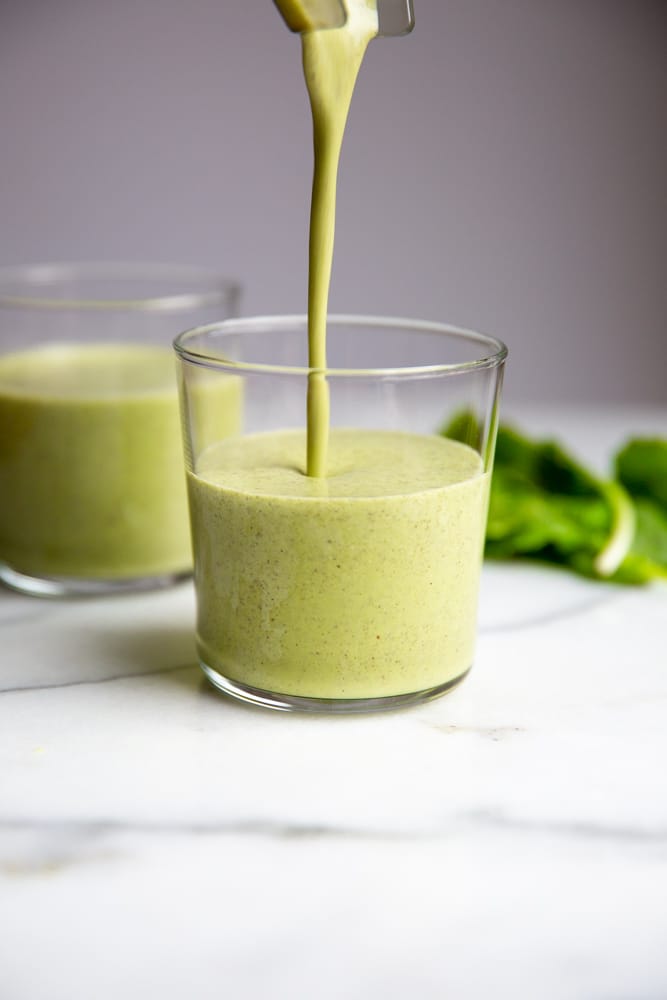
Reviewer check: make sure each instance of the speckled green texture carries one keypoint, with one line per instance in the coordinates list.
(92, 480)
(360, 585)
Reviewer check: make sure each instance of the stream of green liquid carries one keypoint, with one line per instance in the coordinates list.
(331, 62)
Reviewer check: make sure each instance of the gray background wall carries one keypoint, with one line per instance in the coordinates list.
(504, 167)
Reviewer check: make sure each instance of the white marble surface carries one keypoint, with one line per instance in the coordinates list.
(509, 840)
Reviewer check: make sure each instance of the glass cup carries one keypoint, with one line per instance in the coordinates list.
(358, 590)
(92, 493)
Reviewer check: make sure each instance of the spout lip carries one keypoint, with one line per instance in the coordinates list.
(395, 17)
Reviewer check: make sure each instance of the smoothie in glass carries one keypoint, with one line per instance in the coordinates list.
(337, 568)
(91, 464)
(360, 586)
(92, 494)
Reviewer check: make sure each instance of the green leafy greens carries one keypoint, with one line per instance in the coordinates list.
(545, 505)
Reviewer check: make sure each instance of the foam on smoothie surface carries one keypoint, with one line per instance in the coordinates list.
(64, 371)
(361, 464)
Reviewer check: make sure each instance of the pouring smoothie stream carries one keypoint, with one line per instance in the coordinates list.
(334, 38)
(331, 61)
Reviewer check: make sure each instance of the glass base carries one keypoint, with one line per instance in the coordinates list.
(331, 706)
(66, 586)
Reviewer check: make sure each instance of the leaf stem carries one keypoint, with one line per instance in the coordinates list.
(622, 533)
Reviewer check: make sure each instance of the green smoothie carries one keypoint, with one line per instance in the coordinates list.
(360, 585)
(91, 463)
(336, 564)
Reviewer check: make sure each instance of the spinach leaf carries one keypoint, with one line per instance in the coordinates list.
(642, 468)
(544, 463)
(647, 559)
(546, 505)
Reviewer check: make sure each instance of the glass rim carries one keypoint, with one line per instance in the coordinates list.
(34, 276)
(251, 324)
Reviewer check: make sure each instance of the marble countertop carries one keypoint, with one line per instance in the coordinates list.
(508, 840)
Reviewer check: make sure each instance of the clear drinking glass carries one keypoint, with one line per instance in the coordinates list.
(358, 590)
(92, 493)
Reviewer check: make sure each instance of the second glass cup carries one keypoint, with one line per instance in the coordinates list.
(92, 494)
(356, 590)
